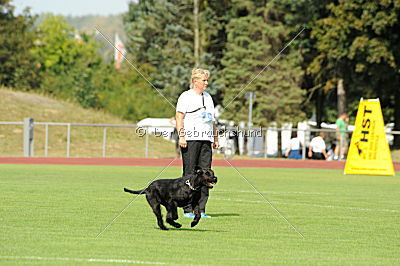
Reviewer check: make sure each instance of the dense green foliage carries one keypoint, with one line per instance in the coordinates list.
(68, 63)
(54, 58)
(362, 38)
(356, 41)
(50, 213)
(253, 39)
(239, 38)
(17, 66)
(351, 41)
(160, 33)
(359, 43)
(109, 25)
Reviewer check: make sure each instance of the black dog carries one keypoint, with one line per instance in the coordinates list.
(180, 192)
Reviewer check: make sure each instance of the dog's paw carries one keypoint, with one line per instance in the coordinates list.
(194, 223)
(178, 225)
(173, 223)
(162, 226)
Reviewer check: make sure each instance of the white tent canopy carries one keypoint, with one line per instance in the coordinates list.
(158, 126)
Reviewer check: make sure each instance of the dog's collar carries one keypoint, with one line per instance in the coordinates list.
(190, 186)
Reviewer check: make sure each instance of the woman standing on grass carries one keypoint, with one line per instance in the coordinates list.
(195, 123)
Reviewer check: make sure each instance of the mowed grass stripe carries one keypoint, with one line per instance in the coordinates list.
(307, 204)
(36, 258)
(56, 212)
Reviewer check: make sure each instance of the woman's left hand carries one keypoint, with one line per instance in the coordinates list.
(215, 144)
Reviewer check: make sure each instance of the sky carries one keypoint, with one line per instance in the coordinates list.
(73, 7)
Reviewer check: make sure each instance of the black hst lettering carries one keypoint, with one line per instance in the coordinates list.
(366, 123)
(366, 111)
(364, 139)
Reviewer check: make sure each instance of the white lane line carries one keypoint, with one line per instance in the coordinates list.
(272, 192)
(80, 259)
(309, 204)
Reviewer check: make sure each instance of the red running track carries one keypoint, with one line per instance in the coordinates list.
(274, 163)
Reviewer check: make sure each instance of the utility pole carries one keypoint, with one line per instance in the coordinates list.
(196, 32)
(250, 139)
(250, 95)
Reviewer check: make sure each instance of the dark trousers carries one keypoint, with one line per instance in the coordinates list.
(197, 153)
(318, 156)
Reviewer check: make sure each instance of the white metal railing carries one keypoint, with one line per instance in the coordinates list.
(69, 125)
(104, 138)
(305, 134)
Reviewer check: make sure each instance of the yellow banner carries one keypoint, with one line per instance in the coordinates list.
(369, 152)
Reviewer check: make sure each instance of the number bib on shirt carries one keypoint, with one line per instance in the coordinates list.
(206, 117)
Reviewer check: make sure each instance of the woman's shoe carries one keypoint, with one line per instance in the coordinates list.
(188, 215)
(203, 215)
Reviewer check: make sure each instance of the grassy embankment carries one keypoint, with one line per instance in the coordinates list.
(85, 141)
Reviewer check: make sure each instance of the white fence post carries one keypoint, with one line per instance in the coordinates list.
(68, 138)
(304, 145)
(265, 144)
(146, 153)
(28, 136)
(104, 141)
(46, 141)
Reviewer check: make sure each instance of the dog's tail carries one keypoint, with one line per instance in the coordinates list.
(143, 191)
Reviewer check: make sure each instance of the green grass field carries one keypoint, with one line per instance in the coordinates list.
(52, 214)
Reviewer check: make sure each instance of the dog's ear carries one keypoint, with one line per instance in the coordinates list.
(198, 170)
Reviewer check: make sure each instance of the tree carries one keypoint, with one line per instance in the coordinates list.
(73, 68)
(196, 32)
(18, 68)
(362, 37)
(295, 15)
(126, 94)
(68, 61)
(254, 38)
(215, 17)
(160, 33)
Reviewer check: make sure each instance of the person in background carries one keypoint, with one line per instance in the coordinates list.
(317, 148)
(293, 149)
(341, 136)
(331, 152)
(195, 123)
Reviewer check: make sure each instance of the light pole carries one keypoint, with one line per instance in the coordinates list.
(250, 139)
(250, 95)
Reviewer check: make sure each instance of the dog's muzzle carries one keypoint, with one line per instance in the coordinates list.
(211, 182)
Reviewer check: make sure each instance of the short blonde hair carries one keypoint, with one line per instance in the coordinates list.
(198, 73)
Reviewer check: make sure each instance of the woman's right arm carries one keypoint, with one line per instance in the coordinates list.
(179, 127)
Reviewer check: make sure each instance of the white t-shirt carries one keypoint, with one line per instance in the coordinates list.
(198, 125)
(318, 144)
(294, 144)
